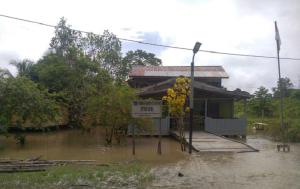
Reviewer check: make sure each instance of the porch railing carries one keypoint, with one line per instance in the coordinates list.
(226, 126)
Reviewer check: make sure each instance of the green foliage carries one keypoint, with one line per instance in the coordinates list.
(137, 58)
(111, 110)
(64, 38)
(24, 67)
(82, 76)
(23, 102)
(286, 84)
(52, 72)
(74, 80)
(295, 93)
(263, 101)
(293, 132)
(141, 58)
(105, 49)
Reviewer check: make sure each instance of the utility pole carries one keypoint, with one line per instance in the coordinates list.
(195, 50)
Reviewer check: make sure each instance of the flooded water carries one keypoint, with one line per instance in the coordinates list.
(75, 145)
(264, 169)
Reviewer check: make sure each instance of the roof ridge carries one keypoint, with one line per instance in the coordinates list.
(174, 71)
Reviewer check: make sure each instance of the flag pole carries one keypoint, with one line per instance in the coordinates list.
(281, 98)
(279, 75)
(282, 125)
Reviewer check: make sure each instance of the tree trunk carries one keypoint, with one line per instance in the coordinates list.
(181, 133)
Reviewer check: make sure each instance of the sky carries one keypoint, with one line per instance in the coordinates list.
(238, 26)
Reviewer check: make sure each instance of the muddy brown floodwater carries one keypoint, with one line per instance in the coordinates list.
(76, 145)
(265, 169)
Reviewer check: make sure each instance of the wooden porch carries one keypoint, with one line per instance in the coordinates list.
(207, 142)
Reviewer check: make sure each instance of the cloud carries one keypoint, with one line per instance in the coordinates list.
(5, 59)
(148, 37)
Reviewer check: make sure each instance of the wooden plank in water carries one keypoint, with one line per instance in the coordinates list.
(24, 169)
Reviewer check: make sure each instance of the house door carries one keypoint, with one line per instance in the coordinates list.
(199, 112)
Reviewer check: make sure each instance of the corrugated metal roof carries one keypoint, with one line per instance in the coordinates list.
(163, 86)
(175, 71)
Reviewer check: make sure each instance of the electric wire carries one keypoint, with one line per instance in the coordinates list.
(154, 44)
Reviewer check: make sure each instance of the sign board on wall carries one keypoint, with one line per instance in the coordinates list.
(146, 108)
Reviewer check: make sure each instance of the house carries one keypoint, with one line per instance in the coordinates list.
(213, 104)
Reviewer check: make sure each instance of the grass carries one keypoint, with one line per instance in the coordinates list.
(132, 175)
(273, 128)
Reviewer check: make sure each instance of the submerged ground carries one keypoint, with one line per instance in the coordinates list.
(265, 169)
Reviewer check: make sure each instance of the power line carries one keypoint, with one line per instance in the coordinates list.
(154, 44)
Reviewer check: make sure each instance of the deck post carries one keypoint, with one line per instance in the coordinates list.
(205, 112)
(205, 108)
(133, 140)
(159, 138)
(232, 108)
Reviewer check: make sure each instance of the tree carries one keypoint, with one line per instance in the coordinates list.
(24, 67)
(106, 51)
(75, 83)
(103, 49)
(176, 100)
(23, 103)
(261, 102)
(65, 38)
(111, 110)
(141, 58)
(286, 86)
(97, 47)
(52, 72)
(4, 74)
(138, 58)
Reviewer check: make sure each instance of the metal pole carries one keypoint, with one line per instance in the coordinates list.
(280, 92)
(191, 105)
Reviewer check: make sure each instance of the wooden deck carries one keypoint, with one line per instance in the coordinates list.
(207, 142)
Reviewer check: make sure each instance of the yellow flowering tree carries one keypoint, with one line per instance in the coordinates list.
(176, 100)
